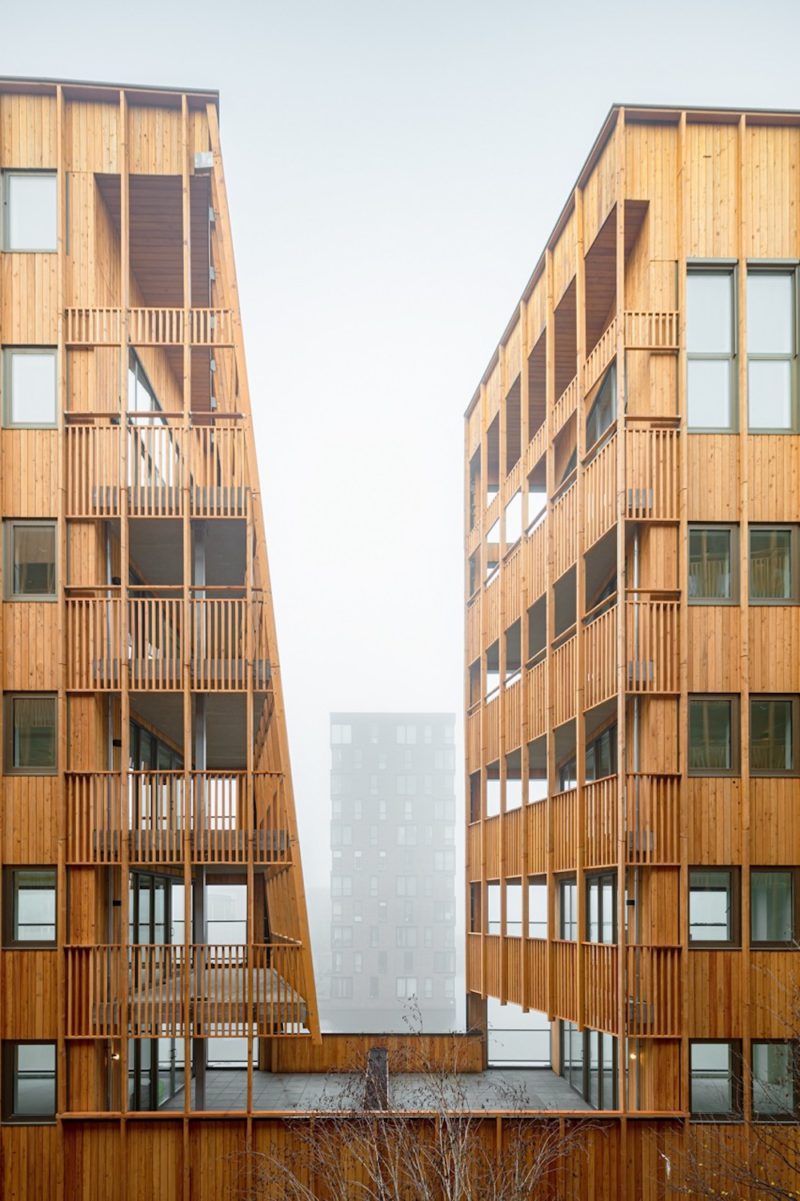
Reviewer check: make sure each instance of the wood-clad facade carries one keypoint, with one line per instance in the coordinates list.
(145, 759)
(631, 666)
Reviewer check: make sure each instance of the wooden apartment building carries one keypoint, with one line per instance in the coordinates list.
(153, 914)
(632, 666)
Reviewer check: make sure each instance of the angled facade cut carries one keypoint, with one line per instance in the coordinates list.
(154, 923)
(632, 623)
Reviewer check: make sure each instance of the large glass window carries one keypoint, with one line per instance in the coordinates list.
(716, 1087)
(29, 1082)
(568, 909)
(31, 221)
(771, 350)
(29, 906)
(710, 343)
(603, 410)
(773, 733)
(601, 897)
(30, 734)
(30, 565)
(29, 386)
(774, 576)
(493, 909)
(601, 755)
(537, 908)
(773, 906)
(713, 736)
(712, 565)
(776, 1080)
(714, 906)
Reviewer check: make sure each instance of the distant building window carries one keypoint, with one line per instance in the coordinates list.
(341, 732)
(374, 988)
(771, 351)
(713, 560)
(774, 906)
(427, 988)
(713, 736)
(444, 861)
(30, 560)
(714, 906)
(29, 1082)
(405, 936)
(716, 1082)
(31, 211)
(406, 886)
(29, 906)
(407, 735)
(341, 988)
(30, 734)
(774, 564)
(29, 386)
(711, 350)
(342, 936)
(405, 987)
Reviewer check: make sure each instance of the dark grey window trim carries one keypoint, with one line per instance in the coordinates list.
(5, 234)
(794, 702)
(9, 907)
(8, 734)
(733, 529)
(735, 767)
(794, 551)
(9, 1049)
(8, 353)
(736, 1081)
(729, 267)
(10, 526)
(790, 944)
(733, 943)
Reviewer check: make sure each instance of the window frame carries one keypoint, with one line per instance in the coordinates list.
(736, 748)
(736, 1113)
(10, 941)
(734, 942)
(8, 734)
(8, 353)
(790, 944)
(9, 1074)
(563, 882)
(597, 879)
(10, 526)
(777, 1115)
(794, 710)
(777, 267)
(793, 530)
(5, 195)
(715, 527)
(729, 267)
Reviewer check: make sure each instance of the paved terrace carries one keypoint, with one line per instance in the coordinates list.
(511, 1088)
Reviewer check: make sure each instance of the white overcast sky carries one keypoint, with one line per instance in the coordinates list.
(394, 169)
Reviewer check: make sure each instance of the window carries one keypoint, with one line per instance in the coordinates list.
(406, 886)
(537, 630)
(405, 987)
(29, 1082)
(601, 755)
(714, 907)
(30, 734)
(568, 909)
(444, 861)
(774, 576)
(374, 988)
(514, 908)
(427, 988)
(29, 906)
(771, 351)
(342, 936)
(31, 214)
(716, 1082)
(358, 962)
(713, 556)
(341, 886)
(493, 910)
(603, 411)
(407, 735)
(29, 386)
(713, 736)
(341, 732)
(341, 988)
(537, 908)
(405, 936)
(30, 566)
(601, 900)
(773, 735)
(711, 347)
(776, 1080)
(774, 899)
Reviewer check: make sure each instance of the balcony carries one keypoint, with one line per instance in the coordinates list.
(654, 992)
(170, 467)
(653, 643)
(225, 647)
(149, 327)
(174, 991)
(218, 821)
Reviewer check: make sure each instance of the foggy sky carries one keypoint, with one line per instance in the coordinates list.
(393, 171)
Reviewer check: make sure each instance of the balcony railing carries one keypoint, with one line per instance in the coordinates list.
(600, 985)
(149, 327)
(166, 464)
(169, 990)
(220, 821)
(654, 991)
(653, 642)
(600, 657)
(653, 819)
(652, 472)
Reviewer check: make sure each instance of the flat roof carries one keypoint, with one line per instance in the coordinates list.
(39, 83)
(668, 114)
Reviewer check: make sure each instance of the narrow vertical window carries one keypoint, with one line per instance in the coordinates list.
(710, 344)
(771, 351)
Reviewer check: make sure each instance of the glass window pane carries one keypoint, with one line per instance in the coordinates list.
(31, 212)
(773, 1079)
(34, 906)
(772, 906)
(771, 736)
(32, 385)
(34, 732)
(769, 383)
(709, 312)
(770, 313)
(712, 1078)
(770, 564)
(710, 735)
(34, 560)
(34, 1080)
(710, 906)
(710, 564)
(709, 384)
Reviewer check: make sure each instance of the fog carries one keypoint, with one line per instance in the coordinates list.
(394, 170)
